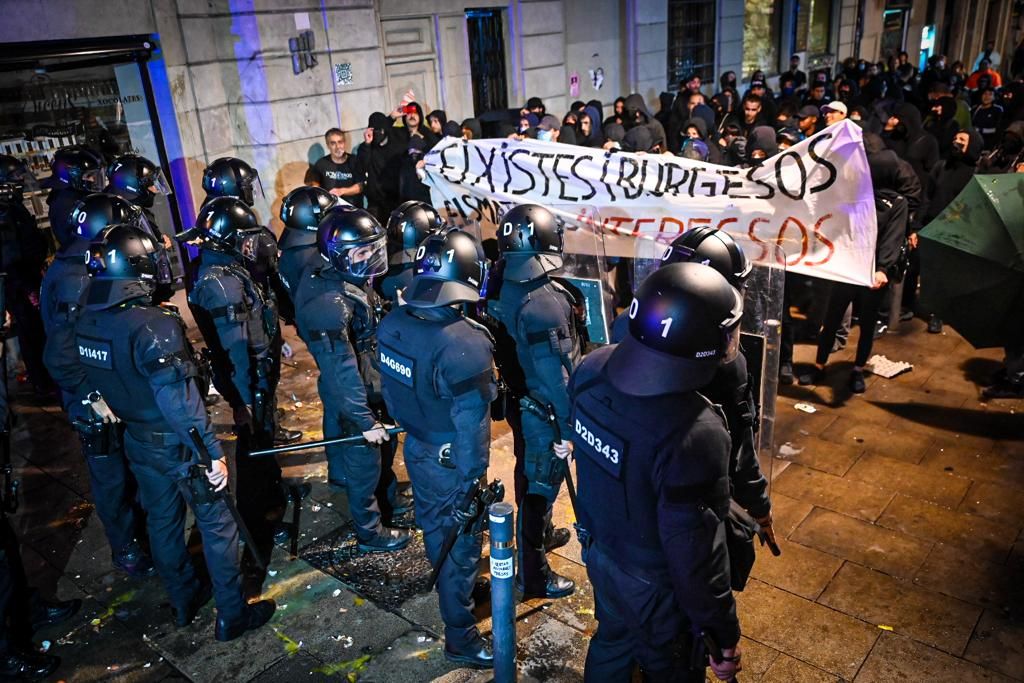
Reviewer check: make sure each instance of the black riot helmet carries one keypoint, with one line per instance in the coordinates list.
(301, 212)
(221, 225)
(94, 214)
(231, 177)
(125, 263)
(353, 242)
(408, 226)
(449, 267)
(530, 242)
(15, 178)
(137, 179)
(683, 323)
(77, 168)
(712, 247)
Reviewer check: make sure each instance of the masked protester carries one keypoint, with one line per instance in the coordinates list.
(380, 157)
(1009, 153)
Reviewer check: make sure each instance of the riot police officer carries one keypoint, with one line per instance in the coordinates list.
(438, 381)
(138, 180)
(23, 252)
(732, 387)
(537, 313)
(239, 325)
(337, 312)
(137, 357)
(231, 177)
(75, 172)
(62, 298)
(652, 457)
(301, 211)
(408, 226)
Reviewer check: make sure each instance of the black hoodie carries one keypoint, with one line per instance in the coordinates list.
(911, 142)
(945, 126)
(891, 177)
(635, 103)
(761, 138)
(714, 151)
(381, 160)
(951, 175)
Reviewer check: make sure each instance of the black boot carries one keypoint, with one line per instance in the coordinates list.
(27, 666)
(46, 612)
(254, 616)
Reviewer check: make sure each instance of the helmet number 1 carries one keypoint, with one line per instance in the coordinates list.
(451, 255)
(113, 255)
(666, 325)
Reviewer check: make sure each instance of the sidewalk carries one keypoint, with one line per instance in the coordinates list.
(901, 513)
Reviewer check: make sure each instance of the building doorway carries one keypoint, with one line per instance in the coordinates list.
(487, 60)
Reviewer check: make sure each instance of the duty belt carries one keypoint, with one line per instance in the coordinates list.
(156, 438)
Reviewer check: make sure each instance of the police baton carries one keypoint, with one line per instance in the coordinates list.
(309, 445)
(715, 652)
(547, 413)
(207, 462)
(474, 504)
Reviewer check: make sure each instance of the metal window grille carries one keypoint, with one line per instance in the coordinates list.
(487, 60)
(691, 40)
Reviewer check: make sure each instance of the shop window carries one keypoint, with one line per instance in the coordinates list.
(812, 26)
(761, 35)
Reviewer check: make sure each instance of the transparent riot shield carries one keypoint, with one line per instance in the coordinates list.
(584, 271)
(761, 328)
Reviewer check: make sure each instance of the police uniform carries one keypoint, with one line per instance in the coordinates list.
(138, 357)
(653, 478)
(297, 260)
(239, 324)
(62, 298)
(539, 317)
(438, 382)
(338, 320)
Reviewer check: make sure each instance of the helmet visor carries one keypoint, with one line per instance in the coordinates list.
(159, 184)
(369, 260)
(731, 330)
(94, 179)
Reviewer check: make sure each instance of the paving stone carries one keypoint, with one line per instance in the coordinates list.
(897, 658)
(832, 492)
(994, 501)
(998, 643)
(787, 513)
(941, 488)
(791, 424)
(301, 667)
(554, 652)
(786, 669)
(820, 454)
(952, 571)
(986, 539)
(416, 656)
(757, 658)
(993, 466)
(877, 598)
(799, 569)
(827, 639)
(894, 443)
(862, 542)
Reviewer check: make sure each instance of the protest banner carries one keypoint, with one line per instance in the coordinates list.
(814, 200)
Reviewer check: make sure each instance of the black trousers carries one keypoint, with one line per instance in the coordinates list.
(866, 302)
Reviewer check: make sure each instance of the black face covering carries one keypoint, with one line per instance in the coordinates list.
(899, 132)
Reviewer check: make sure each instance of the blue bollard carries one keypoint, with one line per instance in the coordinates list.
(503, 606)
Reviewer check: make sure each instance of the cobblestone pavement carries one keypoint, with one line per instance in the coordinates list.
(900, 513)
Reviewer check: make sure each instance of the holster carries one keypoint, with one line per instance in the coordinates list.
(199, 485)
(544, 467)
(500, 405)
(100, 439)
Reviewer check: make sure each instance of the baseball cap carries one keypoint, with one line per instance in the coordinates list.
(549, 122)
(834, 106)
(807, 110)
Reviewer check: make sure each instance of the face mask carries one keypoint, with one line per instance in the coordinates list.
(545, 135)
(788, 91)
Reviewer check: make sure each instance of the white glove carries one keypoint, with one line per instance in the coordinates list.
(286, 350)
(218, 474)
(377, 434)
(102, 410)
(563, 449)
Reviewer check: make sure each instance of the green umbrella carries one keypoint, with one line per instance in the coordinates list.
(972, 261)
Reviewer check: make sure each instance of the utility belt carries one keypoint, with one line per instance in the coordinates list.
(156, 439)
(643, 563)
(442, 441)
(99, 438)
(232, 313)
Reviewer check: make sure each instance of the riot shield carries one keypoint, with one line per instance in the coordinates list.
(585, 271)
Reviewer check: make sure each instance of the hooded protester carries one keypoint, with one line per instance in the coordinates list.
(952, 173)
(614, 134)
(728, 95)
(697, 129)
(471, 129)
(452, 130)
(904, 135)
(1009, 153)
(618, 110)
(436, 120)
(665, 102)
(942, 123)
(734, 145)
(590, 127)
(380, 156)
(638, 139)
(567, 135)
(414, 125)
(761, 145)
(635, 113)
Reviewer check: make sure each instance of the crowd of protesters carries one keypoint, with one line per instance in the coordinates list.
(926, 132)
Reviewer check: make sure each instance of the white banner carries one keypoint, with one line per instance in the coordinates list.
(815, 199)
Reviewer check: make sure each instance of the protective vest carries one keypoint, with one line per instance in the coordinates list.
(61, 300)
(408, 354)
(619, 440)
(256, 311)
(106, 339)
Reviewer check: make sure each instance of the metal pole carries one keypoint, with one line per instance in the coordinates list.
(503, 607)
